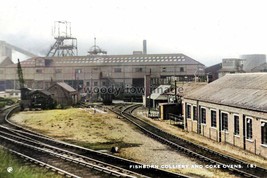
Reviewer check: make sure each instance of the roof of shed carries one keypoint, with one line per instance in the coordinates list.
(45, 92)
(186, 87)
(66, 86)
(246, 90)
(157, 94)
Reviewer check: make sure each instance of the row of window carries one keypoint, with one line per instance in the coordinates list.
(225, 120)
(94, 83)
(119, 61)
(165, 69)
(116, 70)
(125, 58)
(109, 60)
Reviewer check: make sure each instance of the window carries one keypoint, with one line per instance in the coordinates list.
(95, 83)
(225, 121)
(138, 69)
(78, 71)
(203, 115)
(181, 69)
(264, 133)
(236, 125)
(163, 69)
(188, 109)
(194, 113)
(249, 128)
(40, 62)
(87, 83)
(117, 70)
(39, 71)
(58, 71)
(213, 118)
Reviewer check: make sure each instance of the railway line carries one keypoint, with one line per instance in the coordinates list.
(69, 159)
(206, 155)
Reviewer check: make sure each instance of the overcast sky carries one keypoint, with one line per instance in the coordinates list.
(206, 30)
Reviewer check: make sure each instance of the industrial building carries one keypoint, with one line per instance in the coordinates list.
(231, 65)
(232, 109)
(252, 60)
(244, 64)
(85, 73)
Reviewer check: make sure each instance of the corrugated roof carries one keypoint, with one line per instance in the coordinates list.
(66, 86)
(184, 88)
(248, 91)
(95, 60)
(157, 93)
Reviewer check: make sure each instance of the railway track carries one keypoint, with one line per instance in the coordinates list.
(68, 158)
(206, 155)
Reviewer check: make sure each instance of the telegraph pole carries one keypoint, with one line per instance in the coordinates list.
(149, 107)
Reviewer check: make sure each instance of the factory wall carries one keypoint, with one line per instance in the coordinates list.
(249, 141)
(120, 74)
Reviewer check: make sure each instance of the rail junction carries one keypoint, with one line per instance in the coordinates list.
(67, 159)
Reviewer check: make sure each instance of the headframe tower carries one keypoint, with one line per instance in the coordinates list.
(65, 44)
(96, 50)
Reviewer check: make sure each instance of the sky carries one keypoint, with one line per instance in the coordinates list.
(205, 30)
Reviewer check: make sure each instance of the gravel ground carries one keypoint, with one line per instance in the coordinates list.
(105, 130)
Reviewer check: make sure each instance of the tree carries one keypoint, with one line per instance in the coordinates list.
(20, 75)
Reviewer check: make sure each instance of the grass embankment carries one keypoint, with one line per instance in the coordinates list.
(82, 127)
(20, 169)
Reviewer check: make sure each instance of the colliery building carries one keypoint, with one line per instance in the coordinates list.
(87, 72)
(232, 109)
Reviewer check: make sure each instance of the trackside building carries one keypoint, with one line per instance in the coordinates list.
(232, 109)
